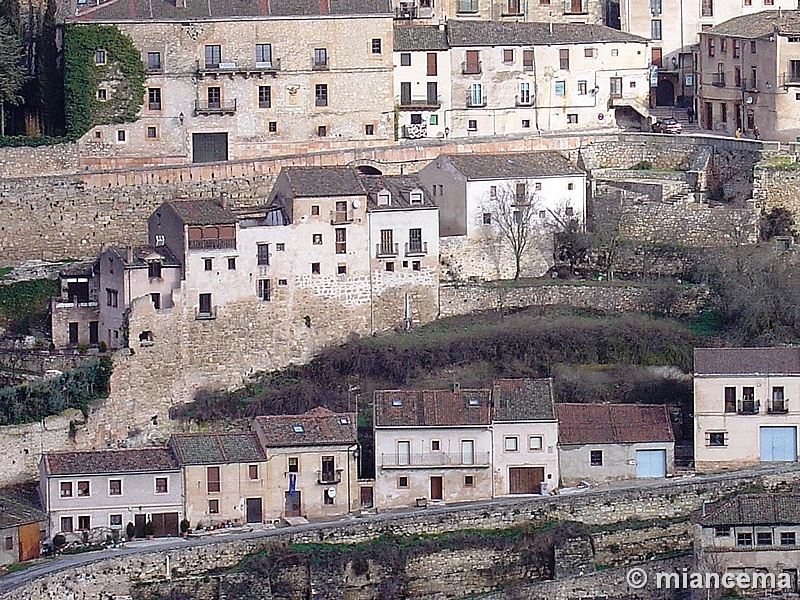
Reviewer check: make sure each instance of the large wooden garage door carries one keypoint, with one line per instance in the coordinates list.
(525, 480)
(209, 147)
(28, 541)
(166, 524)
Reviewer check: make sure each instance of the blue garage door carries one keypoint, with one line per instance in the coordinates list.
(778, 444)
(651, 463)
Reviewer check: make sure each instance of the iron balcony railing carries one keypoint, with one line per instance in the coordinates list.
(474, 101)
(213, 244)
(748, 407)
(384, 250)
(416, 248)
(472, 68)
(221, 107)
(435, 459)
(778, 406)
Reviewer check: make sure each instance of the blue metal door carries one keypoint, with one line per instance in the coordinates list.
(651, 463)
(778, 444)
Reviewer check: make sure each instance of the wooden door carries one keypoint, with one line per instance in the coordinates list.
(139, 521)
(576, 6)
(254, 513)
(209, 147)
(656, 57)
(525, 480)
(367, 496)
(437, 486)
(165, 524)
(292, 507)
(432, 66)
(28, 541)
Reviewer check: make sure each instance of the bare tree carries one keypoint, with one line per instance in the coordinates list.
(570, 242)
(513, 210)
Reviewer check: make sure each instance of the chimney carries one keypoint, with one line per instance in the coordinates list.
(223, 199)
(129, 255)
(443, 24)
(456, 387)
(551, 27)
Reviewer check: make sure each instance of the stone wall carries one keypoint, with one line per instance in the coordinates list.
(38, 161)
(778, 186)
(494, 258)
(672, 500)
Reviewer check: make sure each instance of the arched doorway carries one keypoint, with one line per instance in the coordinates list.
(665, 93)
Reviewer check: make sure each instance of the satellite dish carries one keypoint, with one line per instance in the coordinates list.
(304, 218)
(749, 100)
(332, 492)
(356, 203)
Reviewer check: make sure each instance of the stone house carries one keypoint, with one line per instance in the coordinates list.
(22, 524)
(750, 533)
(224, 477)
(312, 468)
(474, 190)
(104, 490)
(745, 407)
(609, 442)
(674, 28)
(558, 11)
(464, 445)
(749, 75)
(75, 312)
(237, 80)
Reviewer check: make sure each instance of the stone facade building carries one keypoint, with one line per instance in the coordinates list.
(559, 11)
(238, 79)
(745, 407)
(749, 75)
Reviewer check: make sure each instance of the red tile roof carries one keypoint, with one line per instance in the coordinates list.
(101, 462)
(432, 408)
(613, 424)
(317, 427)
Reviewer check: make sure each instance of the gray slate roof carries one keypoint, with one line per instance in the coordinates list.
(202, 212)
(20, 505)
(409, 38)
(216, 448)
(141, 252)
(310, 182)
(317, 427)
(747, 361)
(110, 462)
(161, 10)
(493, 33)
(523, 400)
(751, 509)
(504, 166)
(399, 186)
(761, 24)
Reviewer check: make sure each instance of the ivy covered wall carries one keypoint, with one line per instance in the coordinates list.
(121, 74)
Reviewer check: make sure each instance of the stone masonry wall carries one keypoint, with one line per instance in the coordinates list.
(38, 161)
(111, 576)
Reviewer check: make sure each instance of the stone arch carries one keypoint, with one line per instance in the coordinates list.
(367, 166)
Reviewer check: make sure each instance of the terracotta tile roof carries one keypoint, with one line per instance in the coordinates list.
(141, 254)
(523, 400)
(310, 182)
(400, 187)
(504, 166)
(432, 408)
(494, 33)
(202, 212)
(761, 24)
(751, 509)
(198, 10)
(216, 448)
(101, 462)
(317, 427)
(747, 361)
(414, 38)
(20, 505)
(613, 424)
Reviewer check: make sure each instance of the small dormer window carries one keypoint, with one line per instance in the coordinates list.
(416, 197)
(384, 198)
(298, 429)
(397, 402)
(473, 402)
(344, 421)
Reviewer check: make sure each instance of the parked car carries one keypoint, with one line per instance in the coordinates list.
(668, 125)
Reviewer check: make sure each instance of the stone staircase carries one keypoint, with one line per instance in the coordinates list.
(661, 112)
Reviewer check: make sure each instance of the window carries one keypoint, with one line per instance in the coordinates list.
(764, 538)
(341, 240)
(294, 464)
(121, 135)
(231, 263)
(526, 123)
(472, 125)
(508, 55)
(100, 57)
(511, 443)
(596, 458)
(320, 58)
(315, 269)
(476, 95)
(730, 399)
(436, 445)
(487, 218)
(402, 481)
(614, 52)
(328, 471)
(115, 487)
(264, 54)
(749, 400)
(655, 29)
(83, 489)
(321, 94)
(272, 127)
(716, 438)
(794, 71)
(744, 539)
(264, 96)
(161, 485)
(431, 65)
(84, 523)
(527, 60)
(737, 76)
(723, 44)
(208, 264)
(369, 129)
(737, 48)
(66, 524)
(415, 198)
(65, 489)
(214, 96)
(572, 118)
(416, 265)
(9, 543)
(778, 403)
(377, 46)
(561, 88)
(615, 87)
(73, 333)
(722, 531)
(154, 61)
(707, 9)
(213, 507)
(280, 247)
(262, 254)
(589, 52)
(152, 132)
(316, 239)
(403, 452)
(264, 290)
(212, 479)
(115, 521)
(390, 267)
(753, 46)
(469, 481)
(788, 538)
(535, 442)
(514, 7)
(341, 269)
(571, 186)
(472, 65)
(213, 56)
(563, 59)
(524, 93)
(153, 98)
(322, 131)
(405, 59)
(582, 88)
(415, 240)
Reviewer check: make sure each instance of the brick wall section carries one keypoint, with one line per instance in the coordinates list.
(672, 500)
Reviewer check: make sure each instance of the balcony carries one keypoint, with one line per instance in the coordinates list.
(790, 79)
(320, 65)
(429, 103)
(341, 217)
(747, 407)
(205, 315)
(435, 460)
(751, 85)
(718, 79)
(329, 478)
(256, 69)
(415, 131)
(523, 101)
(527, 66)
(154, 69)
(416, 248)
(476, 101)
(471, 68)
(778, 407)
(223, 107)
(386, 250)
(213, 244)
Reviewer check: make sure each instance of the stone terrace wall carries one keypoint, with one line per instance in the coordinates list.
(38, 161)
(778, 187)
(672, 500)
